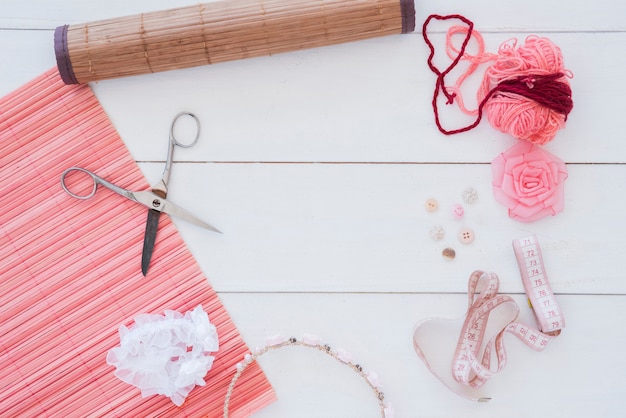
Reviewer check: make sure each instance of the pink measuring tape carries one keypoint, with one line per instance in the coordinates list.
(538, 290)
(470, 368)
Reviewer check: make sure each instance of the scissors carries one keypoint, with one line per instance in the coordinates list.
(155, 200)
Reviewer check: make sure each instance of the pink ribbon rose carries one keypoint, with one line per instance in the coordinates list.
(529, 181)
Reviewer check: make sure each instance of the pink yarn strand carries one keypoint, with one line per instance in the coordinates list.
(481, 57)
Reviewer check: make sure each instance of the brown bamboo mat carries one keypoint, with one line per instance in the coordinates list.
(220, 31)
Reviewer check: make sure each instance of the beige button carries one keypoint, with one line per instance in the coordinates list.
(466, 236)
(431, 205)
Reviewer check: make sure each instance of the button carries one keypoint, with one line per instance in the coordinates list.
(466, 236)
(431, 205)
(470, 195)
(437, 232)
(448, 253)
(457, 211)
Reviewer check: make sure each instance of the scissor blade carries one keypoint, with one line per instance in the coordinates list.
(172, 209)
(153, 201)
(149, 238)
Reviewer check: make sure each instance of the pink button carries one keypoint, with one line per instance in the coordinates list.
(466, 236)
(458, 211)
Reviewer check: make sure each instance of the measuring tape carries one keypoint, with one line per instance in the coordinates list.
(472, 369)
(537, 287)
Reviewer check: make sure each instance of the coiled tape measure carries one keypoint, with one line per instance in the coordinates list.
(472, 369)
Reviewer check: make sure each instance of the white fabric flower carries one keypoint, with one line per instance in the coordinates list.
(166, 354)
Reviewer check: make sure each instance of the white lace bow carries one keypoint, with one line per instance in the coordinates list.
(166, 354)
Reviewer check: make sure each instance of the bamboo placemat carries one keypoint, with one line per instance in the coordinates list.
(220, 31)
(70, 269)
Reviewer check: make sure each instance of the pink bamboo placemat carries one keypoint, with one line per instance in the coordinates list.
(70, 269)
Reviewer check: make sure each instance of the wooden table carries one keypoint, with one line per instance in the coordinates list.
(316, 165)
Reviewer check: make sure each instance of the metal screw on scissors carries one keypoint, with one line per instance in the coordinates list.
(154, 200)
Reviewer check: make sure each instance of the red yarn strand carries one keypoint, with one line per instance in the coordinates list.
(543, 89)
(440, 83)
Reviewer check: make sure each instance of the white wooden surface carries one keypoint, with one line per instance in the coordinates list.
(316, 165)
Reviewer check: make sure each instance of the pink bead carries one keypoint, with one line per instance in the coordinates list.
(389, 411)
(275, 340)
(372, 377)
(344, 356)
(310, 339)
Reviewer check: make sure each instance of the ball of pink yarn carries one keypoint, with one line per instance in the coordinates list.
(514, 114)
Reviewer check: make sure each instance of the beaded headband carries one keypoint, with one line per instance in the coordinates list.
(311, 341)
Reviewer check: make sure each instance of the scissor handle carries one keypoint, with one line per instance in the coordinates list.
(175, 142)
(173, 136)
(96, 181)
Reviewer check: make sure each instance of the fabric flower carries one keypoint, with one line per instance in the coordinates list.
(529, 181)
(166, 354)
